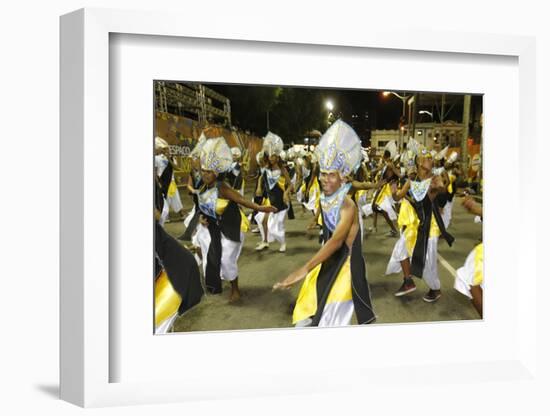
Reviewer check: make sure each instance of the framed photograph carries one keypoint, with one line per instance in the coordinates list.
(140, 92)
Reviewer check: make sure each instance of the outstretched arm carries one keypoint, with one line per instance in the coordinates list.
(227, 192)
(347, 214)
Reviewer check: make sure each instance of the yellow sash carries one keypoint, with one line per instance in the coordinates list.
(167, 300)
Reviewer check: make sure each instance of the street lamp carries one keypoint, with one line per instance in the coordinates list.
(329, 106)
(404, 99)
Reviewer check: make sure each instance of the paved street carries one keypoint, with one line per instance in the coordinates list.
(258, 271)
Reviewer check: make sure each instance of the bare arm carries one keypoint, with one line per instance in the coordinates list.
(227, 192)
(398, 195)
(347, 213)
(314, 171)
(363, 185)
(288, 182)
(190, 183)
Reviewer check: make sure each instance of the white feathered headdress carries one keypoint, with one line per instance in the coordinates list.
(216, 155)
(273, 144)
(442, 153)
(160, 143)
(196, 152)
(339, 149)
(392, 148)
(452, 158)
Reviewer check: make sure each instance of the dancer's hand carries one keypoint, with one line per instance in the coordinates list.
(264, 208)
(291, 279)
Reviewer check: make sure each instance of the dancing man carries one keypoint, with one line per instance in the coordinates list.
(335, 283)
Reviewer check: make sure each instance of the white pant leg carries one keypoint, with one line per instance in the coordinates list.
(430, 274)
(398, 254)
(231, 250)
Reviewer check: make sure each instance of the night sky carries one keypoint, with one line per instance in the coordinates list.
(364, 110)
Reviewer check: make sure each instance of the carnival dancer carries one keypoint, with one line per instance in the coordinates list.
(469, 278)
(276, 183)
(222, 224)
(290, 170)
(234, 176)
(383, 202)
(194, 182)
(259, 191)
(165, 171)
(177, 283)
(420, 222)
(450, 177)
(335, 283)
(177, 277)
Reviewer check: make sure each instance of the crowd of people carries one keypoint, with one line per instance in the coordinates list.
(342, 186)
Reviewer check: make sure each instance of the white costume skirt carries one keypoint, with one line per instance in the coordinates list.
(465, 275)
(430, 273)
(300, 195)
(175, 202)
(164, 213)
(275, 226)
(189, 217)
(313, 196)
(367, 210)
(165, 326)
(447, 214)
(387, 205)
(231, 250)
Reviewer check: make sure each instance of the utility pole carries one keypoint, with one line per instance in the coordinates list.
(465, 131)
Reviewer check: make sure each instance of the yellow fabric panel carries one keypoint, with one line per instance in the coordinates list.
(359, 194)
(221, 204)
(172, 188)
(341, 289)
(245, 224)
(306, 304)
(384, 193)
(451, 181)
(408, 218)
(266, 202)
(167, 300)
(434, 228)
(315, 186)
(478, 265)
(281, 182)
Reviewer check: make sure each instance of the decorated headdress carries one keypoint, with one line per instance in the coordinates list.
(291, 154)
(273, 144)
(259, 156)
(282, 155)
(196, 152)
(339, 149)
(392, 148)
(365, 154)
(215, 155)
(160, 143)
(442, 153)
(413, 146)
(235, 151)
(453, 157)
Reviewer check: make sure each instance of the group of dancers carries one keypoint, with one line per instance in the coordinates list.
(340, 186)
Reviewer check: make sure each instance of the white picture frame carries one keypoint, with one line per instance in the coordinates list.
(86, 354)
